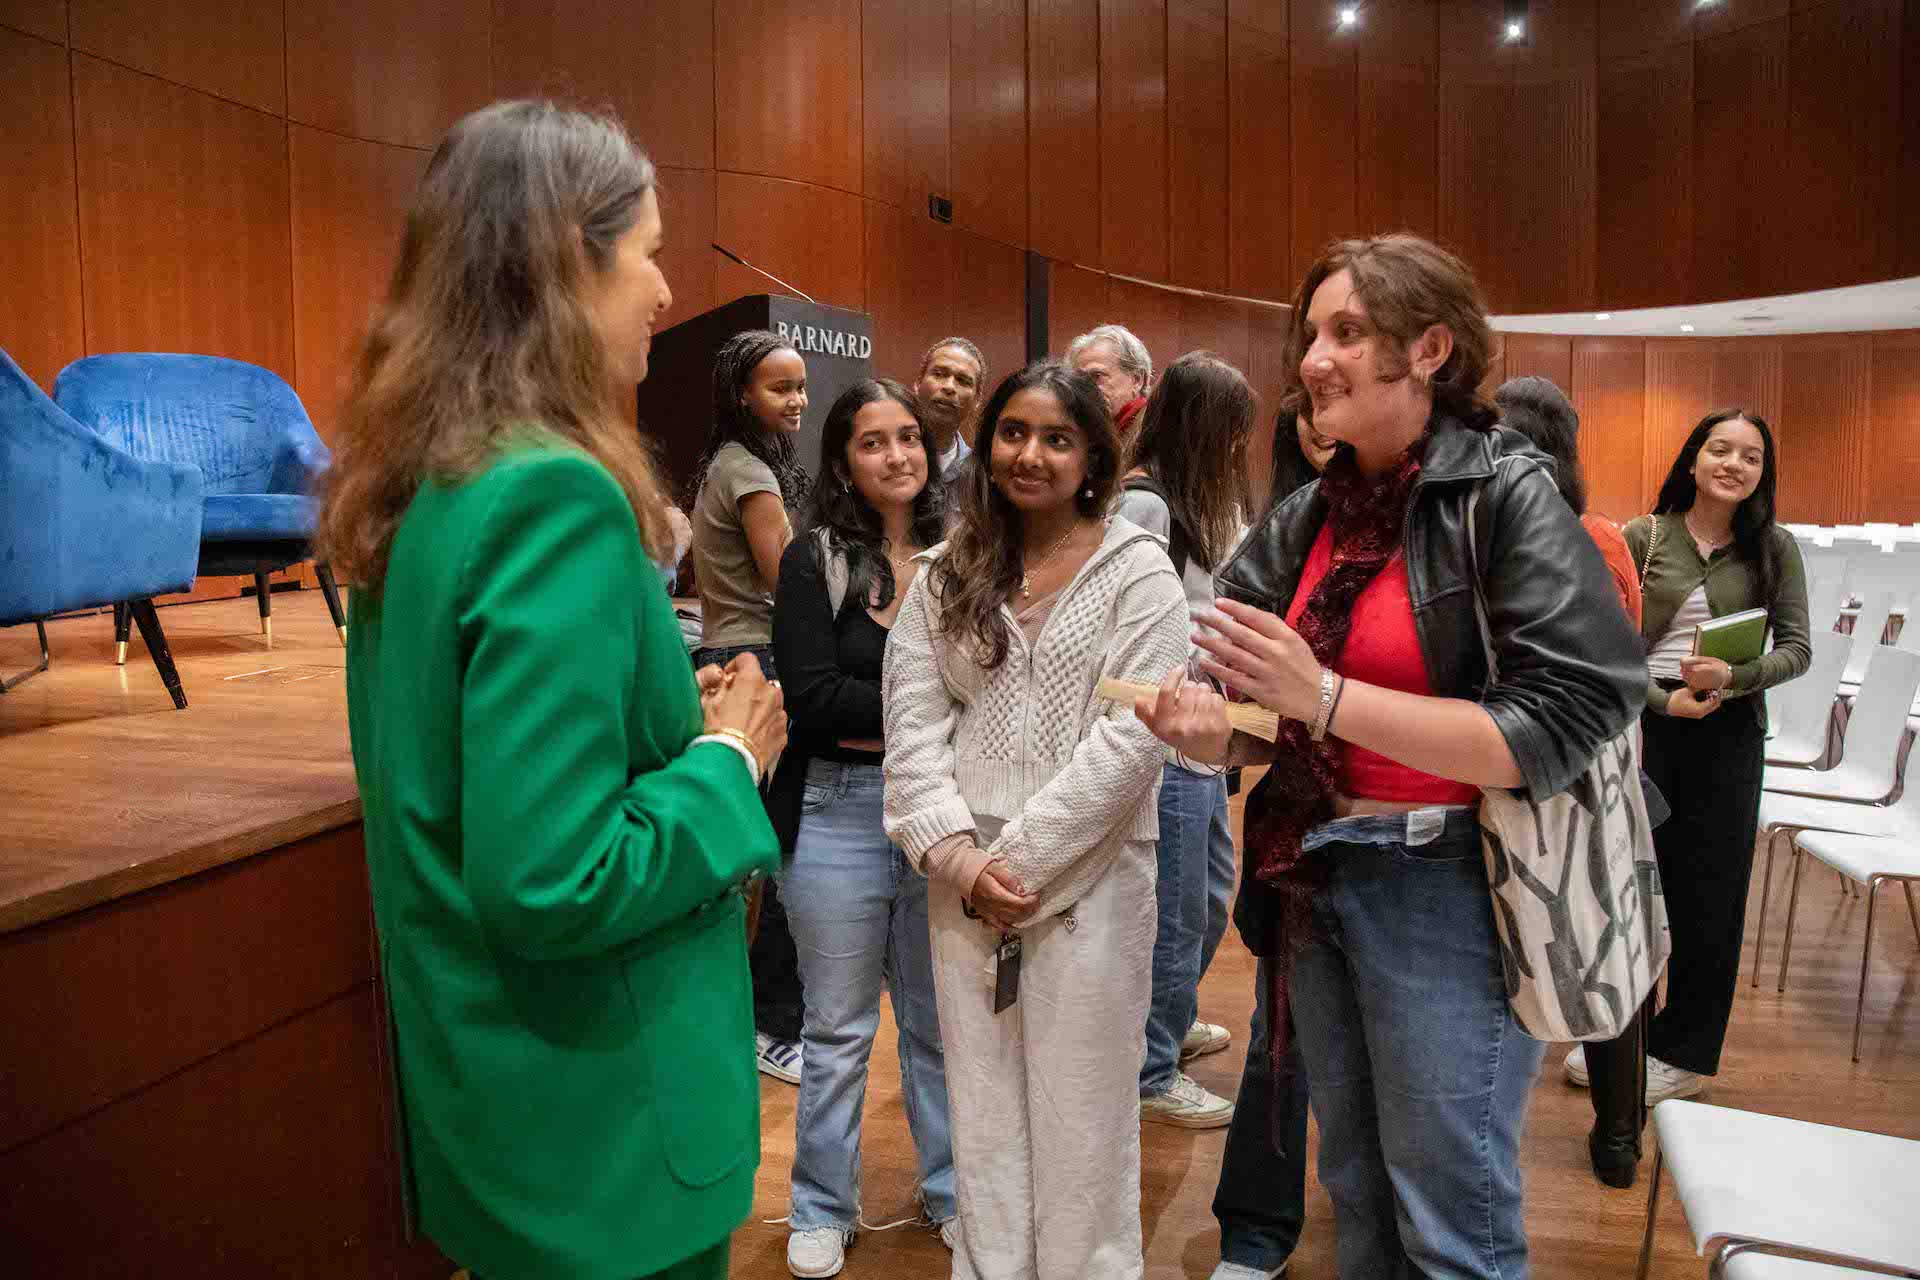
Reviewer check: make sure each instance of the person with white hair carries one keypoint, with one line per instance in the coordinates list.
(1120, 365)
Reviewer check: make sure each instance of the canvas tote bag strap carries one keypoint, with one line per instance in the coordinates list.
(1473, 562)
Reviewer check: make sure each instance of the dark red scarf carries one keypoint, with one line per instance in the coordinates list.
(1365, 518)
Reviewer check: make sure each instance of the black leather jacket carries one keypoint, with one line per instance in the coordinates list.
(1573, 672)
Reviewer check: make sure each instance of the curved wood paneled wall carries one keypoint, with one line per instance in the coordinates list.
(227, 179)
(1845, 409)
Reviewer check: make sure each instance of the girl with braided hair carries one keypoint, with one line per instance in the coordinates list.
(751, 480)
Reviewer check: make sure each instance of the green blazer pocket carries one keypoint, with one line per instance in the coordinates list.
(695, 1007)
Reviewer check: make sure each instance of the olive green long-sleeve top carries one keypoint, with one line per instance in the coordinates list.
(1733, 584)
(554, 867)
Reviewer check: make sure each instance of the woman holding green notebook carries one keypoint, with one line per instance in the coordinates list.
(1710, 549)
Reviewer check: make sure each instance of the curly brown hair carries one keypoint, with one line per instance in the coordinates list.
(983, 562)
(486, 327)
(1408, 285)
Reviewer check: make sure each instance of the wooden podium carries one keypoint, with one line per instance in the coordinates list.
(676, 400)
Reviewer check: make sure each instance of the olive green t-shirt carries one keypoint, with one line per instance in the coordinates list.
(736, 606)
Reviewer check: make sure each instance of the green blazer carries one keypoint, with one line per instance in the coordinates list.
(555, 879)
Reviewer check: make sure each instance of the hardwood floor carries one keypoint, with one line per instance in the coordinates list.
(1786, 1054)
(106, 789)
(100, 777)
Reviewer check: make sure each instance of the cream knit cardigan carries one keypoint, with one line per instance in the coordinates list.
(1073, 776)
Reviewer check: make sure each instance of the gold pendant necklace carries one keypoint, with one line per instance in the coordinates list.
(1710, 545)
(1026, 573)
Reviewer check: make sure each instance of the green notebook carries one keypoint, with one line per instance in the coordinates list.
(1734, 639)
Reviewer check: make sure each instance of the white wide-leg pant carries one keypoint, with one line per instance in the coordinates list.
(1045, 1097)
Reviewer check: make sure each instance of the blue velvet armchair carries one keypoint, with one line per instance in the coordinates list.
(248, 434)
(84, 523)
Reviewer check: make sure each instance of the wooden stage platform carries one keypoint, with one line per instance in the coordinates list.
(192, 1044)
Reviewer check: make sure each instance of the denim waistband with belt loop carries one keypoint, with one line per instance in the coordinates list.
(1420, 827)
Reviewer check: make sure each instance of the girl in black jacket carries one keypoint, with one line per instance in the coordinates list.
(857, 909)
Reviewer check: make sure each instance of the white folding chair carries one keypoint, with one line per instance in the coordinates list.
(1793, 814)
(1748, 1183)
(1802, 708)
(1826, 596)
(1745, 1263)
(1867, 860)
(1824, 562)
(1871, 745)
(1869, 626)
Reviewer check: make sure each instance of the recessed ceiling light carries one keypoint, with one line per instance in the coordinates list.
(1603, 315)
(1686, 328)
(1348, 16)
(1515, 30)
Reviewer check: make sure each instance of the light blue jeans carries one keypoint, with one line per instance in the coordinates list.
(1194, 838)
(1419, 1073)
(859, 916)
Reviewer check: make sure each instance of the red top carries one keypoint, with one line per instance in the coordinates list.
(1614, 550)
(1129, 414)
(1382, 649)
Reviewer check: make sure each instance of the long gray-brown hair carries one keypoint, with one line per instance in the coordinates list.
(486, 327)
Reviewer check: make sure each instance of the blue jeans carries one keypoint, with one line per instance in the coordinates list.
(859, 917)
(1193, 821)
(1220, 869)
(1261, 1201)
(1420, 1074)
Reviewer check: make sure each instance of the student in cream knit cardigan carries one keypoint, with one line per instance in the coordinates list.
(1029, 801)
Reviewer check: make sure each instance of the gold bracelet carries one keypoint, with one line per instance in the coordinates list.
(741, 738)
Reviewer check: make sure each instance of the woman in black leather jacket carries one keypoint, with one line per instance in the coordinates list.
(1350, 612)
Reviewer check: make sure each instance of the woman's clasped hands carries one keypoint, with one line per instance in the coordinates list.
(739, 701)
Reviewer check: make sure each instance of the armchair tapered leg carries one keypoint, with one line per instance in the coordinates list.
(263, 596)
(46, 660)
(122, 623)
(331, 590)
(1913, 912)
(149, 620)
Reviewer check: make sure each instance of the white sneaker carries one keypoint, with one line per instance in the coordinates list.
(1188, 1105)
(1203, 1038)
(781, 1060)
(1241, 1271)
(1667, 1081)
(950, 1234)
(819, 1252)
(1576, 1065)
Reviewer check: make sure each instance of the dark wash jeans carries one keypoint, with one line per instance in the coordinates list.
(1419, 1072)
(779, 1004)
(1261, 1201)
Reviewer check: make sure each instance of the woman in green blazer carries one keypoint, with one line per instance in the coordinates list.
(558, 819)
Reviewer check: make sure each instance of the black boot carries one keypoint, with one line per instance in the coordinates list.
(1618, 1069)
